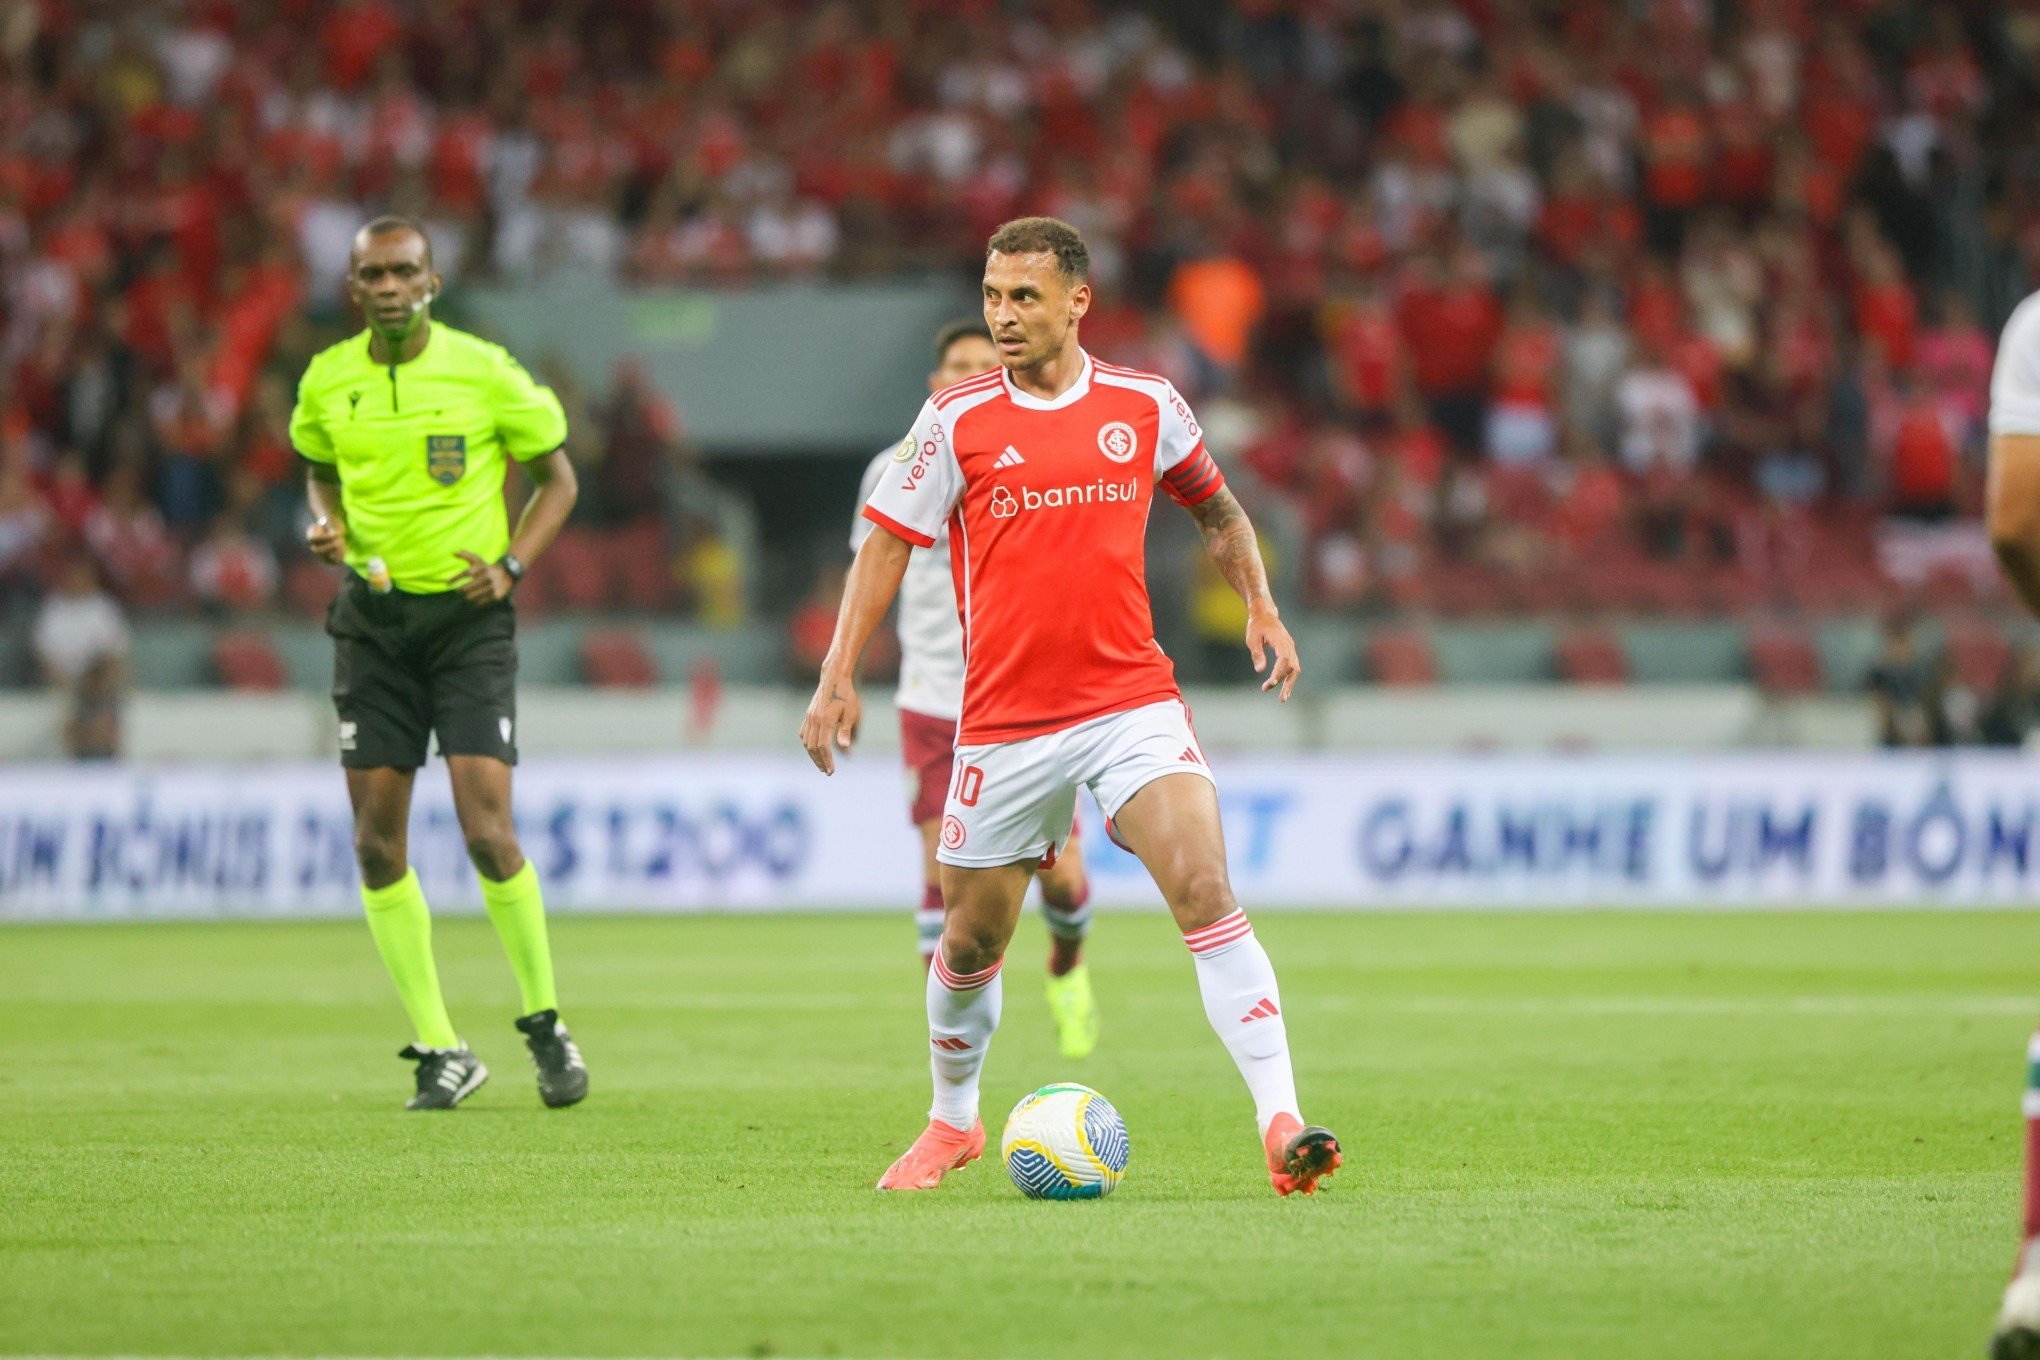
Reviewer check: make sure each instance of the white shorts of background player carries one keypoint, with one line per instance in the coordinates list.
(1013, 800)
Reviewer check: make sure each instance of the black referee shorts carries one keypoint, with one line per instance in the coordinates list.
(406, 666)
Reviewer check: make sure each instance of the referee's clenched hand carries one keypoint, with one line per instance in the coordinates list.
(481, 582)
(327, 541)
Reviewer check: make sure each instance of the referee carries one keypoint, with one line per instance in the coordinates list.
(405, 431)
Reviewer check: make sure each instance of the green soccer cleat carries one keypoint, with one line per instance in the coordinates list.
(446, 1076)
(562, 1076)
(1075, 1011)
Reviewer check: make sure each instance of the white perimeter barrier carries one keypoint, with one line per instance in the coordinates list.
(765, 832)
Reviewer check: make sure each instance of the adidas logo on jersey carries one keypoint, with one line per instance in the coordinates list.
(1010, 458)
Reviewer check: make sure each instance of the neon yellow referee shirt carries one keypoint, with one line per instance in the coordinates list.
(420, 448)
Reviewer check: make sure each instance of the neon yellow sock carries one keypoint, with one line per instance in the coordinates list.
(403, 935)
(518, 909)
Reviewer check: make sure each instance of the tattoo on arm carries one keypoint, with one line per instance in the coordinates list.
(1229, 539)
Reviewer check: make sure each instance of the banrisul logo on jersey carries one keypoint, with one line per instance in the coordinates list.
(446, 457)
(1006, 503)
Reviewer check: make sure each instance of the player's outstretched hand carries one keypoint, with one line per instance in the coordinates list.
(831, 721)
(327, 540)
(481, 582)
(1265, 634)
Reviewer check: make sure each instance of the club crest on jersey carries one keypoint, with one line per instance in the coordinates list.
(446, 457)
(1118, 442)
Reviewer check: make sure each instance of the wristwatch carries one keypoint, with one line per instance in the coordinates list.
(512, 568)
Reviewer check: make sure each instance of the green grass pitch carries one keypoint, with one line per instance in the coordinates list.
(1704, 1135)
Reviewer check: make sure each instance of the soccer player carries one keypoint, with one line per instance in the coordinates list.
(405, 431)
(929, 699)
(2013, 513)
(1044, 471)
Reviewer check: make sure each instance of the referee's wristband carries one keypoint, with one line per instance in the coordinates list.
(512, 568)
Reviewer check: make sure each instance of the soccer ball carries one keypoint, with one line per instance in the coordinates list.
(1065, 1142)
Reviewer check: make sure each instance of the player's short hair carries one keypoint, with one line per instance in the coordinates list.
(389, 224)
(1045, 236)
(963, 328)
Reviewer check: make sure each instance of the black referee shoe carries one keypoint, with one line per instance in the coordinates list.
(446, 1076)
(562, 1076)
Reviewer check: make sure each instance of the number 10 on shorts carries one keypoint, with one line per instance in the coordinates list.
(967, 784)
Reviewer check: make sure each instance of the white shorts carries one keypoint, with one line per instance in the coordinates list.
(1013, 800)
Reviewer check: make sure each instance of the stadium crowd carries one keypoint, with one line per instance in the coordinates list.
(1677, 307)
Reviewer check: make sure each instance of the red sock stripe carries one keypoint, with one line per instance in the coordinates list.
(2032, 1179)
(963, 982)
(1218, 933)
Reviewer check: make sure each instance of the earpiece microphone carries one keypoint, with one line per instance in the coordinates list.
(422, 303)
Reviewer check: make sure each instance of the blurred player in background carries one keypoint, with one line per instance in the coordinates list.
(406, 431)
(1044, 471)
(930, 698)
(2014, 518)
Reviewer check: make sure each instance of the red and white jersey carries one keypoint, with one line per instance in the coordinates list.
(1046, 504)
(931, 634)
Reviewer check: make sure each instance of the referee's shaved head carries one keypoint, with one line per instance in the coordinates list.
(390, 225)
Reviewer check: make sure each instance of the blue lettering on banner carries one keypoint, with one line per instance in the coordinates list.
(31, 851)
(1869, 841)
(1264, 811)
(562, 856)
(221, 849)
(1387, 841)
(1581, 829)
(324, 854)
(2005, 840)
(667, 842)
(1935, 838)
(1750, 839)
(1474, 841)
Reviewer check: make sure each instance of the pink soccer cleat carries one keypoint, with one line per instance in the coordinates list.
(1300, 1155)
(940, 1149)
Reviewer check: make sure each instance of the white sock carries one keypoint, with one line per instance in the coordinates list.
(928, 920)
(1244, 1005)
(963, 1012)
(1068, 923)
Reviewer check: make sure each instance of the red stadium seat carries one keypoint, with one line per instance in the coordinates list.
(616, 658)
(1468, 590)
(309, 586)
(1590, 656)
(1783, 662)
(1979, 653)
(1731, 590)
(248, 661)
(574, 573)
(1401, 658)
(641, 567)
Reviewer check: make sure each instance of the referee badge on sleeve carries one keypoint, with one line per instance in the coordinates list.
(446, 457)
